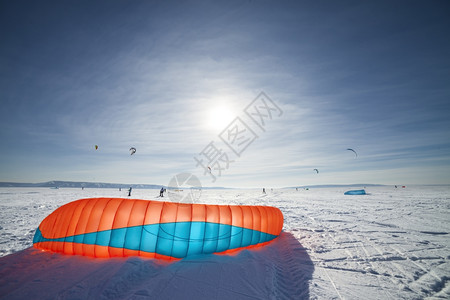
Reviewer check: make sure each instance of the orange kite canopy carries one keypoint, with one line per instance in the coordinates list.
(109, 227)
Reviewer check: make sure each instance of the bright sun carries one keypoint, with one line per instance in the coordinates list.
(219, 118)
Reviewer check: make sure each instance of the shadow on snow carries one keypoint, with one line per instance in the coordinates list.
(279, 270)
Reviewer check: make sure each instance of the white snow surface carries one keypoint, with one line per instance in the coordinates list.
(393, 243)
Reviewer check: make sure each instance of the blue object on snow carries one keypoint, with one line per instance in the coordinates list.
(355, 192)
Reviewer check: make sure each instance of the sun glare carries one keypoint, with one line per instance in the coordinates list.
(219, 118)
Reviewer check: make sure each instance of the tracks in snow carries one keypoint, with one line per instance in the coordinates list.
(397, 273)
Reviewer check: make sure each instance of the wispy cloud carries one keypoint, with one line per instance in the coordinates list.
(149, 75)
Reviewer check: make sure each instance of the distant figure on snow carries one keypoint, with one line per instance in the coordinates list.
(129, 191)
(264, 190)
(161, 192)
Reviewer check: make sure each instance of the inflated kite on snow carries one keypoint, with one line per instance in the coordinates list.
(108, 227)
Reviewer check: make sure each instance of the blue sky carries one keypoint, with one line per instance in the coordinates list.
(167, 77)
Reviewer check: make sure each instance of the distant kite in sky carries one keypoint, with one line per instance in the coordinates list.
(132, 150)
(96, 147)
(353, 152)
(317, 171)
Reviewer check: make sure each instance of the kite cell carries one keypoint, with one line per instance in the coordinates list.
(317, 171)
(132, 150)
(109, 227)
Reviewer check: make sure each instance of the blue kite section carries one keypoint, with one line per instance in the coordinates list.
(176, 239)
(355, 192)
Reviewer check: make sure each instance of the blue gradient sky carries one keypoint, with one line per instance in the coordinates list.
(167, 77)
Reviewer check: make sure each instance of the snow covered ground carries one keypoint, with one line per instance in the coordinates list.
(391, 244)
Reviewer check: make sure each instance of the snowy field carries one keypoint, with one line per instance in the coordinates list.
(390, 244)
